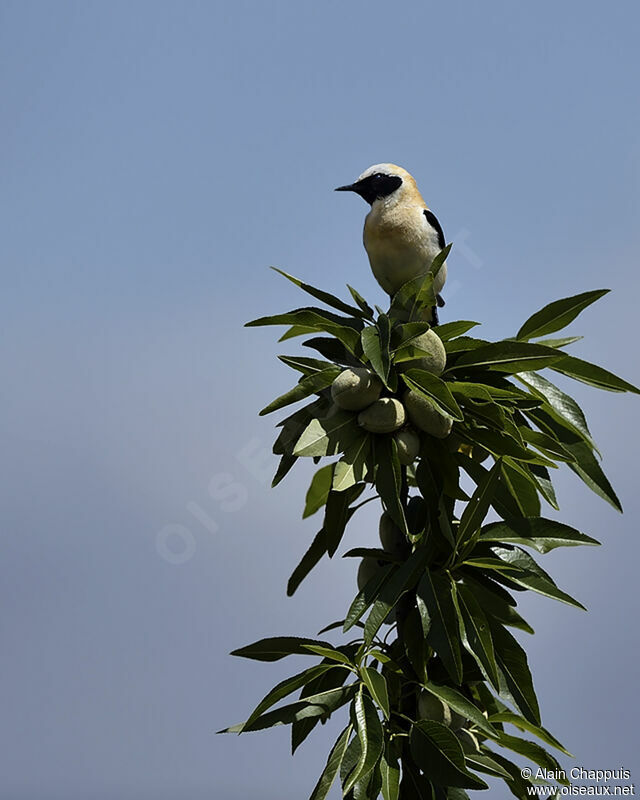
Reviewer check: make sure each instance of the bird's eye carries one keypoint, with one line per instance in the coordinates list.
(378, 175)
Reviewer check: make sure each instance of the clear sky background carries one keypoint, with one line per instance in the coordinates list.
(156, 158)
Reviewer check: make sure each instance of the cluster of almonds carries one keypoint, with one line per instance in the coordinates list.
(359, 389)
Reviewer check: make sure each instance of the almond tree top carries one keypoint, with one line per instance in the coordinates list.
(400, 410)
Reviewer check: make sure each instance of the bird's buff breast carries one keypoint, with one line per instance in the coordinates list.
(398, 249)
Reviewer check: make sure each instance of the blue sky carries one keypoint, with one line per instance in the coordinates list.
(157, 157)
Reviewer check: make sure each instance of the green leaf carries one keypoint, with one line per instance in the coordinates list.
(318, 705)
(539, 533)
(440, 621)
(418, 293)
(330, 653)
(518, 786)
(462, 344)
(524, 725)
(390, 770)
(371, 737)
(352, 467)
(319, 294)
(558, 315)
(389, 478)
(318, 490)
(310, 319)
(362, 303)
(402, 335)
(367, 596)
(532, 751)
(560, 342)
(478, 506)
(333, 350)
(384, 330)
(284, 688)
(296, 330)
(521, 488)
(593, 375)
(277, 647)
(449, 330)
(503, 502)
(516, 683)
(490, 597)
(333, 765)
(532, 575)
(338, 512)
(508, 357)
(331, 679)
(459, 703)
(308, 366)
(547, 445)
(588, 469)
(484, 763)
(562, 407)
(400, 581)
(436, 750)
(485, 393)
(477, 634)
(328, 436)
(370, 338)
(424, 383)
(377, 686)
(309, 560)
(284, 465)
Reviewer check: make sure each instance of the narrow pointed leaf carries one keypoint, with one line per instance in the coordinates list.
(524, 724)
(366, 309)
(400, 581)
(508, 357)
(476, 509)
(477, 634)
(516, 683)
(371, 738)
(277, 647)
(286, 687)
(309, 560)
(557, 315)
(328, 436)
(424, 383)
(537, 532)
(319, 294)
(318, 490)
(367, 596)
(318, 705)
(563, 407)
(435, 602)
(593, 375)
(532, 575)
(333, 765)
(388, 479)
(390, 771)
(449, 330)
(459, 703)
(534, 752)
(377, 686)
(352, 467)
(436, 750)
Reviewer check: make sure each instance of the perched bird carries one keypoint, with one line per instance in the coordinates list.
(401, 235)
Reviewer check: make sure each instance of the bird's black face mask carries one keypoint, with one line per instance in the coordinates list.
(374, 187)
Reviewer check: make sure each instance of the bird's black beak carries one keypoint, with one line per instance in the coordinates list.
(352, 187)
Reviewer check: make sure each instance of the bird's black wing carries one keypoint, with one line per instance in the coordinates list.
(433, 221)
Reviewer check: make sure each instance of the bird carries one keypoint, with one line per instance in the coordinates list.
(401, 234)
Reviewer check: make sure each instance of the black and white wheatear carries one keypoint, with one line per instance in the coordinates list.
(401, 235)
